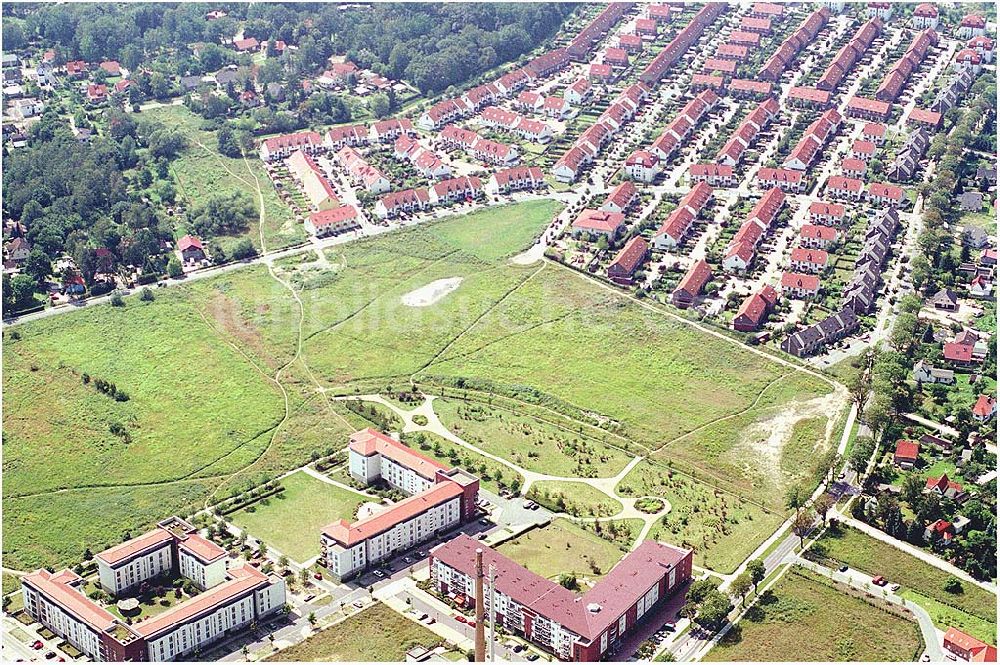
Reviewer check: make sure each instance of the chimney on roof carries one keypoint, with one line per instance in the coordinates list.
(480, 628)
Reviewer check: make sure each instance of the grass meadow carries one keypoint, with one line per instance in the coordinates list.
(562, 547)
(803, 618)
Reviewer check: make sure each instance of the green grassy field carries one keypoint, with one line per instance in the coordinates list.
(577, 499)
(804, 619)
(291, 521)
(864, 553)
(376, 634)
(490, 471)
(528, 442)
(201, 171)
(205, 415)
(722, 528)
(562, 547)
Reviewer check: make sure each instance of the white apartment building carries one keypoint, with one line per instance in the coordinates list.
(128, 565)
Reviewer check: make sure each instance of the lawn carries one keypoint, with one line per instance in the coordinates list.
(498, 232)
(862, 552)
(528, 442)
(201, 171)
(377, 634)
(562, 547)
(722, 528)
(291, 521)
(805, 619)
(491, 473)
(577, 499)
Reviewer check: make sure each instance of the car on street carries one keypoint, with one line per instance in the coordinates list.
(879, 580)
(484, 522)
(358, 604)
(669, 627)
(318, 576)
(461, 618)
(843, 569)
(50, 655)
(310, 597)
(526, 504)
(378, 573)
(37, 645)
(532, 656)
(893, 587)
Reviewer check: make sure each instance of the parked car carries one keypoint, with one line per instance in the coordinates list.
(37, 645)
(378, 573)
(50, 655)
(843, 568)
(358, 604)
(461, 618)
(879, 580)
(318, 576)
(893, 587)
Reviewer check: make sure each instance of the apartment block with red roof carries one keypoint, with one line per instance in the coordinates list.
(440, 498)
(755, 309)
(571, 626)
(232, 599)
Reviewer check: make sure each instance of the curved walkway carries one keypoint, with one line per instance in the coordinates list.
(604, 485)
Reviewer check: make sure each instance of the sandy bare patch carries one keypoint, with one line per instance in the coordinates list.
(531, 255)
(431, 293)
(761, 444)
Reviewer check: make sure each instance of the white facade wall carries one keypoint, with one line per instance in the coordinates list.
(204, 575)
(136, 571)
(364, 468)
(198, 633)
(404, 479)
(63, 624)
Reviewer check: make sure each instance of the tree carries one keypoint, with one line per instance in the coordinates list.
(953, 585)
(801, 526)
(117, 300)
(741, 586)
(569, 581)
(146, 295)
(174, 268)
(713, 610)
(22, 290)
(859, 385)
(823, 505)
(757, 572)
(864, 448)
(243, 250)
(38, 265)
(912, 490)
(796, 497)
(311, 618)
(283, 561)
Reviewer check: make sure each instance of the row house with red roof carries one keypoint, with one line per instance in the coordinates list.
(863, 150)
(817, 236)
(623, 267)
(676, 226)
(743, 247)
(967, 647)
(731, 153)
(439, 498)
(681, 127)
(405, 201)
(346, 135)
(868, 109)
(893, 82)
(972, 25)
(844, 188)
(463, 188)
(598, 222)
(443, 112)
(808, 98)
(807, 260)
(716, 175)
(678, 46)
(511, 121)
(692, 284)
(333, 221)
(968, 59)
(427, 163)
(485, 150)
(849, 55)
(788, 180)
(790, 48)
(384, 131)
(361, 172)
(571, 626)
(594, 31)
(885, 194)
(826, 214)
(515, 179)
(621, 198)
(749, 89)
(853, 168)
(983, 46)
(280, 147)
(312, 181)
(817, 134)
(630, 43)
(755, 309)
(643, 166)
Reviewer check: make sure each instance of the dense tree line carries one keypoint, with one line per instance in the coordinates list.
(432, 45)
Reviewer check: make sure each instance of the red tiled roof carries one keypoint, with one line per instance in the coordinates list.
(631, 255)
(885, 190)
(696, 277)
(349, 534)
(622, 195)
(907, 450)
(817, 231)
(599, 220)
(828, 209)
(202, 548)
(805, 255)
(333, 216)
(840, 183)
(130, 548)
(56, 587)
(370, 441)
(188, 242)
(793, 280)
(756, 306)
(980, 651)
(984, 406)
